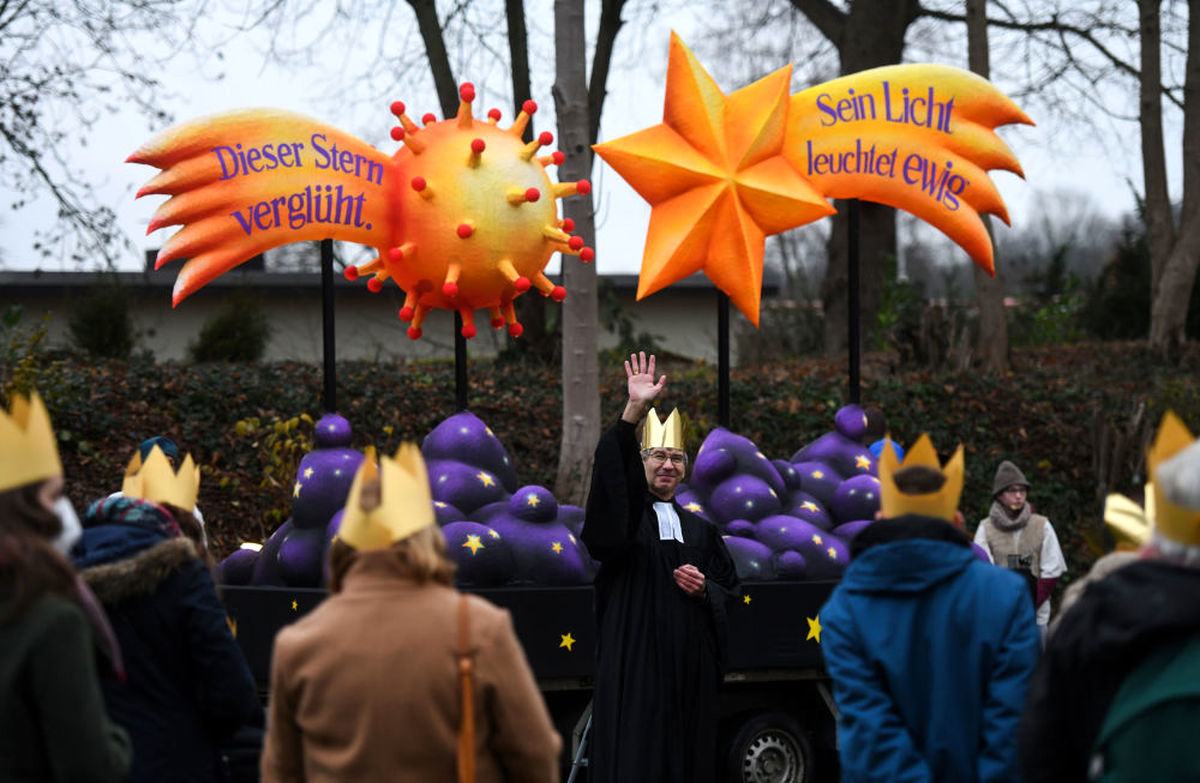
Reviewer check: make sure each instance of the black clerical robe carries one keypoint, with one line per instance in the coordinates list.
(660, 651)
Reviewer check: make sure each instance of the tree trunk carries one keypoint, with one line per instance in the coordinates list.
(580, 371)
(435, 51)
(992, 347)
(871, 34)
(1178, 257)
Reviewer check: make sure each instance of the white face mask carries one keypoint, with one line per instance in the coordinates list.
(71, 529)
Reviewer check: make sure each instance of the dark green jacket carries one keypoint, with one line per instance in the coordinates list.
(53, 725)
(1149, 730)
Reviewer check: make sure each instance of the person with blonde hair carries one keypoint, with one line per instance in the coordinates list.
(397, 676)
(53, 725)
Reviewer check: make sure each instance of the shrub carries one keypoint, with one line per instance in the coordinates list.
(100, 324)
(238, 333)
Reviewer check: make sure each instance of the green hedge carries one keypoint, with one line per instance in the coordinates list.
(1045, 416)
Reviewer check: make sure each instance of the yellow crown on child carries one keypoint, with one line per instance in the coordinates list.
(28, 450)
(1177, 523)
(405, 503)
(155, 480)
(941, 504)
(663, 434)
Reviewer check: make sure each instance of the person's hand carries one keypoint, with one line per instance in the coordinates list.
(642, 389)
(690, 580)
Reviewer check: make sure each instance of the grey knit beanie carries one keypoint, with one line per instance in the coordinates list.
(1007, 475)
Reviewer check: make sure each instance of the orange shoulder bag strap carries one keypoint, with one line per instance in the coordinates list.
(466, 684)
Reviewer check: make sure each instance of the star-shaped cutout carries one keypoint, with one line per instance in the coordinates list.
(717, 180)
(808, 505)
(567, 640)
(746, 599)
(814, 628)
(296, 490)
(308, 472)
(473, 543)
(862, 461)
(832, 553)
(816, 539)
(557, 547)
(532, 500)
(484, 478)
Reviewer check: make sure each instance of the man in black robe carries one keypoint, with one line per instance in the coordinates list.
(665, 577)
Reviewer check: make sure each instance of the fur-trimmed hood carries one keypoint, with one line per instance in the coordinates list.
(140, 574)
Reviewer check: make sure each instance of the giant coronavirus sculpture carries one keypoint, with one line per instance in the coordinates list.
(462, 215)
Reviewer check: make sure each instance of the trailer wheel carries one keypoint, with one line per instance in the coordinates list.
(770, 747)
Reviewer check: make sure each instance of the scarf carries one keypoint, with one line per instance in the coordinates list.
(1002, 521)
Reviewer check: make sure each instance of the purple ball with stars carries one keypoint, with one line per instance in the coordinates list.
(572, 517)
(301, 557)
(445, 513)
(464, 438)
(238, 568)
(752, 560)
(463, 486)
(782, 533)
(790, 565)
(713, 465)
(266, 569)
(483, 557)
(743, 497)
(487, 511)
(856, 498)
(533, 504)
(325, 474)
(825, 556)
(806, 507)
(748, 460)
(819, 480)
(787, 471)
(691, 501)
(743, 528)
(849, 530)
(546, 554)
(847, 457)
(851, 421)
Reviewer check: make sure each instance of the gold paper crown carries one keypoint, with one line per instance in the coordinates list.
(1178, 523)
(1127, 520)
(28, 450)
(155, 480)
(405, 504)
(941, 504)
(663, 435)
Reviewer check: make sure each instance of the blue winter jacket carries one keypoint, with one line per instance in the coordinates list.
(930, 651)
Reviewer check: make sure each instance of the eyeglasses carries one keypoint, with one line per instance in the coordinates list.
(659, 456)
(1016, 489)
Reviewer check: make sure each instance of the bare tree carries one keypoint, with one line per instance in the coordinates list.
(67, 64)
(992, 346)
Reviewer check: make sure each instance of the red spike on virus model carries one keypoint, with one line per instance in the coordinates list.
(463, 214)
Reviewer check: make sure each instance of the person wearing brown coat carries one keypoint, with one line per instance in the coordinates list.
(366, 687)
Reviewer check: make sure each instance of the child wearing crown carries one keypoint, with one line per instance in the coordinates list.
(53, 725)
(1116, 695)
(665, 577)
(930, 649)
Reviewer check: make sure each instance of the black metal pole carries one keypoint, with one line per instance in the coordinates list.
(723, 359)
(460, 365)
(852, 316)
(327, 325)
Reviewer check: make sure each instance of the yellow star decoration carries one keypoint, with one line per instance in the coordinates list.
(810, 506)
(232, 623)
(557, 547)
(694, 507)
(439, 504)
(716, 178)
(862, 461)
(817, 539)
(817, 474)
(493, 534)
(532, 500)
(484, 478)
(296, 490)
(473, 543)
(295, 606)
(308, 472)
(746, 599)
(832, 553)
(567, 641)
(814, 628)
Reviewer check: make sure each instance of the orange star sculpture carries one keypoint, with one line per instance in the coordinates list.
(717, 179)
(723, 172)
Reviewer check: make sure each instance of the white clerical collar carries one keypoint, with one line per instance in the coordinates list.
(668, 522)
